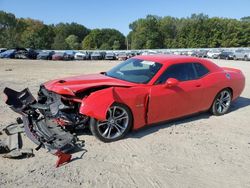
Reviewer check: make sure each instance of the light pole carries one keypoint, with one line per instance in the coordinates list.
(127, 41)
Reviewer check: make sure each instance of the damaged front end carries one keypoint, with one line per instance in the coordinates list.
(49, 121)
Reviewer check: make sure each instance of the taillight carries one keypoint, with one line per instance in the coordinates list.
(5, 98)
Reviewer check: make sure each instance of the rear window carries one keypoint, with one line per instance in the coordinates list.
(201, 70)
(181, 72)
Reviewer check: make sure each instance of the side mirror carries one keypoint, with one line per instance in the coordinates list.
(171, 82)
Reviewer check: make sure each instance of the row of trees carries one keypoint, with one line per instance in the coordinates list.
(152, 32)
(197, 31)
(29, 33)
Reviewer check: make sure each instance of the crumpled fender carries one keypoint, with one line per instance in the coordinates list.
(97, 103)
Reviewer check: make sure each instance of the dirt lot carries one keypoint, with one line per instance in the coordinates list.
(200, 151)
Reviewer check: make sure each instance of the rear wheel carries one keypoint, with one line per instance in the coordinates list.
(222, 102)
(117, 125)
(245, 58)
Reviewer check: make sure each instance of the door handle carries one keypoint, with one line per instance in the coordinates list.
(198, 85)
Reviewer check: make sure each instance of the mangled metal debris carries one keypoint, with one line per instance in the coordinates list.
(3, 147)
(43, 130)
(12, 146)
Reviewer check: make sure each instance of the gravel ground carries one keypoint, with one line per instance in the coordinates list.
(199, 151)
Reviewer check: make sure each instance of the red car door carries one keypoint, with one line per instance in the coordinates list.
(172, 102)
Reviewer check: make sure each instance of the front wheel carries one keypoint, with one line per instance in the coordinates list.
(117, 125)
(222, 102)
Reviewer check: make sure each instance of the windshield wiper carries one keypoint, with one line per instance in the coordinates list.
(104, 73)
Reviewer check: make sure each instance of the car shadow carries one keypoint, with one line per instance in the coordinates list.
(241, 102)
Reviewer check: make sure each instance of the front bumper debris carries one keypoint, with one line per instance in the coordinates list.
(43, 131)
(12, 146)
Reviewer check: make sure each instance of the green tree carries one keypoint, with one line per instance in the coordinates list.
(37, 35)
(104, 39)
(72, 42)
(146, 33)
(10, 30)
(196, 31)
(63, 30)
(245, 19)
(116, 45)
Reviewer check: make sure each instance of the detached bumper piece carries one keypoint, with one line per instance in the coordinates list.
(12, 146)
(43, 131)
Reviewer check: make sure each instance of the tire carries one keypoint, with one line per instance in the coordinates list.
(245, 58)
(222, 102)
(114, 128)
(235, 58)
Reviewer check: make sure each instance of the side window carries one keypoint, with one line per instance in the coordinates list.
(181, 72)
(201, 70)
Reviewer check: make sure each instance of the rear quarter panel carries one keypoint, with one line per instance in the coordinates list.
(217, 81)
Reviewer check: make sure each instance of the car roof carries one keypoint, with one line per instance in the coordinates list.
(166, 59)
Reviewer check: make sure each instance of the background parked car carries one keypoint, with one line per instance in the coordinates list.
(61, 56)
(3, 50)
(110, 56)
(122, 56)
(226, 55)
(194, 53)
(8, 54)
(213, 54)
(70, 55)
(200, 53)
(247, 55)
(47, 55)
(23, 53)
(81, 56)
(97, 55)
(241, 54)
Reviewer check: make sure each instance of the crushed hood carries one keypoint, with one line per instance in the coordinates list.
(72, 85)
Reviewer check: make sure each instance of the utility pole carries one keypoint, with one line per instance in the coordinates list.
(127, 42)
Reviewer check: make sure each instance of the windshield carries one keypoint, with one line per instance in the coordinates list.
(59, 53)
(135, 70)
(111, 54)
(8, 51)
(44, 53)
(122, 54)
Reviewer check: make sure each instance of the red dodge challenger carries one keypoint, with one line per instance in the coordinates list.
(140, 91)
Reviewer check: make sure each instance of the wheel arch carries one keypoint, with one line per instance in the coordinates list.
(98, 110)
(97, 103)
(228, 88)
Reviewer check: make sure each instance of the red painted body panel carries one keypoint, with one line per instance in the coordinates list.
(169, 103)
(98, 110)
(71, 85)
(134, 97)
(151, 103)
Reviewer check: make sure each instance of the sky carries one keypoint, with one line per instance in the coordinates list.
(118, 14)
